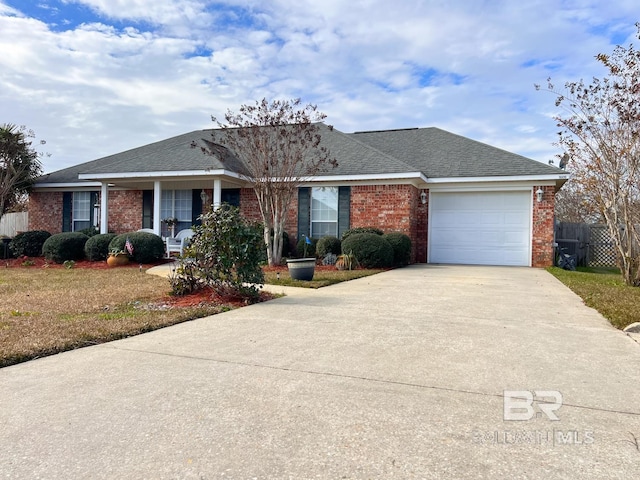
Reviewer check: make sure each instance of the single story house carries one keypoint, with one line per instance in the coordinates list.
(459, 200)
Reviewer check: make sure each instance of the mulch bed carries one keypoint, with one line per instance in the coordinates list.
(40, 262)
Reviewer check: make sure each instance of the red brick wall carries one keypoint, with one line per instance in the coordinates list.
(542, 235)
(125, 210)
(421, 214)
(250, 209)
(45, 211)
(392, 208)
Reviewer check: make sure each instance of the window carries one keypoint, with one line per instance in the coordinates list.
(81, 210)
(324, 211)
(176, 204)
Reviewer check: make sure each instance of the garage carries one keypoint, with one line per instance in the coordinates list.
(480, 228)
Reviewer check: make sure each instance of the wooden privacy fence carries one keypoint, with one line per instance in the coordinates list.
(14, 223)
(590, 243)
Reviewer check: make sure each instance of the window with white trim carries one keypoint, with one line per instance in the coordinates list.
(81, 211)
(324, 211)
(176, 204)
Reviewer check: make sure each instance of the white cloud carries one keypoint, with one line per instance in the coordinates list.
(144, 70)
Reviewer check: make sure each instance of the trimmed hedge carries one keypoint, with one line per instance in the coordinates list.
(311, 249)
(401, 245)
(370, 249)
(147, 247)
(90, 231)
(97, 247)
(328, 244)
(29, 243)
(64, 246)
(352, 231)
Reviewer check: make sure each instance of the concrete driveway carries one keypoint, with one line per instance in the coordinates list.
(400, 375)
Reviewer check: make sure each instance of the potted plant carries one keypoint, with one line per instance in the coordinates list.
(302, 268)
(117, 258)
(171, 223)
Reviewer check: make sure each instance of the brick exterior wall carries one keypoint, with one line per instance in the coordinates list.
(125, 210)
(45, 211)
(388, 207)
(542, 235)
(392, 208)
(250, 209)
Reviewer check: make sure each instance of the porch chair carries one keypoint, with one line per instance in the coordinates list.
(179, 242)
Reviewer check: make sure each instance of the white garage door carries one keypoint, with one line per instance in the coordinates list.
(480, 228)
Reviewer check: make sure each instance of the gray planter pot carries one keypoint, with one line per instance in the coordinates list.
(301, 268)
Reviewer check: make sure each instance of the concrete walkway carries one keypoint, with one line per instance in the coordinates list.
(399, 375)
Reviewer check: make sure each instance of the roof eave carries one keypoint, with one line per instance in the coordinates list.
(157, 174)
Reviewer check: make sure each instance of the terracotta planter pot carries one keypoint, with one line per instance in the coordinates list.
(117, 260)
(301, 268)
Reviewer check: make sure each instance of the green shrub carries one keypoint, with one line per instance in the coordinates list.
(64, 246)
(370, 249)
(5, 251)
(286, 245)
(352, 231)
(401, 245)
(286, 248)
(28, 243)
(328, 244)
(147, 247)
(224, 254)
(97, 247)
(90, 231)
(303, 245)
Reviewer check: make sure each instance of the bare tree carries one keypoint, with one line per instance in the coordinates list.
(278, 144)
(19, 165)
(575, 205)
(600, 131)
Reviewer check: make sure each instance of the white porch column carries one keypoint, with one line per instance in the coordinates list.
(157, 195)
(217, 193)
(104, 208)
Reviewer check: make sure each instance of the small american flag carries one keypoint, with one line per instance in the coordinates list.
(128, 246)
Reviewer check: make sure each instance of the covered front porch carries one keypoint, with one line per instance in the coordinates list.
(166, 204)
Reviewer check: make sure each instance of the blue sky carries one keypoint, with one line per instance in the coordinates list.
(96, 77)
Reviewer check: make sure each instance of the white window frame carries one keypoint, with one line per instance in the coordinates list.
(184, 215)
(76, 202)
(324, 216)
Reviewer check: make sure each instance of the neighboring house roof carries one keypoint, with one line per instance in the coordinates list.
(425, 152)
(441, 154)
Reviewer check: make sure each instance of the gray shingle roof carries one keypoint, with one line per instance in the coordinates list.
(441, 154)
(434, 152)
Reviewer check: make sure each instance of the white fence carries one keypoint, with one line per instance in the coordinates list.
(12, 223)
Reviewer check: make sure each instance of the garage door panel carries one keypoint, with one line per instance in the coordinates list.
(487, 228)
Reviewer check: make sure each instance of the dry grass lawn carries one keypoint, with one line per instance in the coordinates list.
(604, 290)
(46, 311)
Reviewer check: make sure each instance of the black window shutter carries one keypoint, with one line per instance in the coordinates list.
(344, 209)
(304, 211)
(67, 202)
(196, 206)
(147, 209)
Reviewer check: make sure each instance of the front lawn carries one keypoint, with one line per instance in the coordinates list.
(49, 310)
(604, 290)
